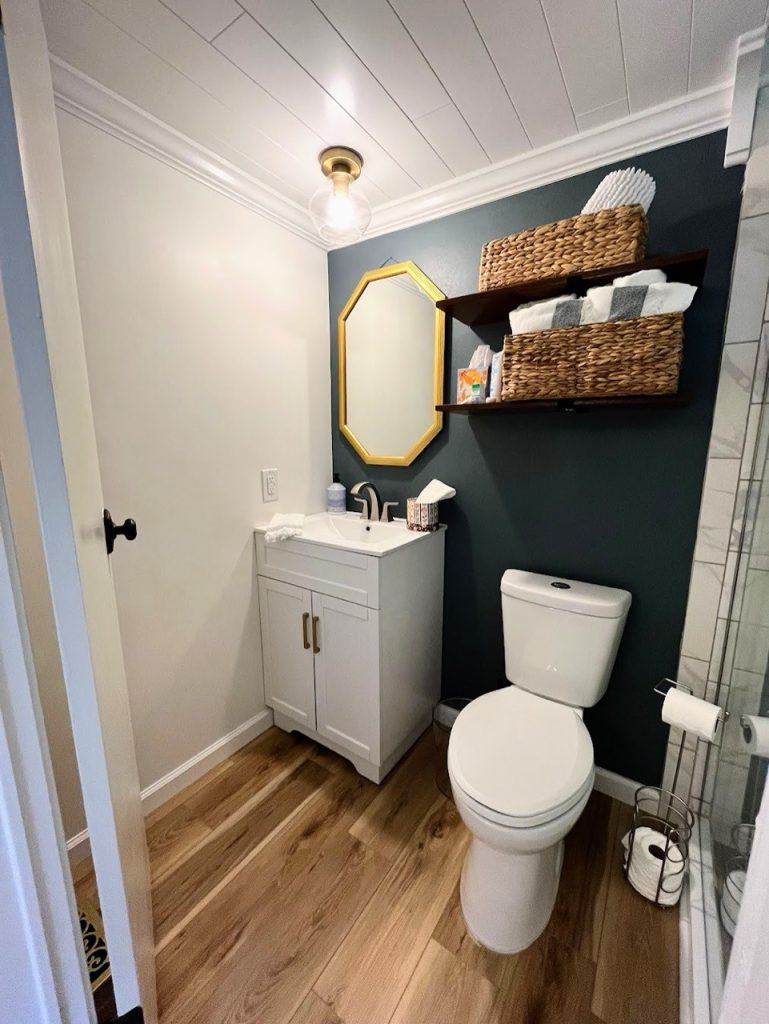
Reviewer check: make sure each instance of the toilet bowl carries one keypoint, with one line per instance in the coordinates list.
(520, 759)
(521, 770)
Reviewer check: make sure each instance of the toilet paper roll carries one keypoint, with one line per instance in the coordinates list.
(691, 714)
(755, 734)
(648, 861)
(731, 898)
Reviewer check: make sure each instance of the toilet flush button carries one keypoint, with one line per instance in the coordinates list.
(561, 585)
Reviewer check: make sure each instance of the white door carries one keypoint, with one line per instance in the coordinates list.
(347, 674)
(287, 645)
(42, 366)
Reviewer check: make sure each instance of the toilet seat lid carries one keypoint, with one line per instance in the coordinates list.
(520, 755)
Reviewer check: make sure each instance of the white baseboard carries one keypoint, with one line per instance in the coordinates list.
(615, 786)
(185, 774)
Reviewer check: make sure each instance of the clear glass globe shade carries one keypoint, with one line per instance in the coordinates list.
(340, 217)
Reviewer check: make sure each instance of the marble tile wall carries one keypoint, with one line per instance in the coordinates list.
(725, 643)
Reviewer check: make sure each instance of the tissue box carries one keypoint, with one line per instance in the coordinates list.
(422, 517)
(466, 379)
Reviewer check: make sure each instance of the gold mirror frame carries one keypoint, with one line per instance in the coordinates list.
(432, 292)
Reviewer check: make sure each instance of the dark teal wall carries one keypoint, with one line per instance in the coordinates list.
(610, 497)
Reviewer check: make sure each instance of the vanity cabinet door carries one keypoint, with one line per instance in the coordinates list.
(286, 616)
(346, 641)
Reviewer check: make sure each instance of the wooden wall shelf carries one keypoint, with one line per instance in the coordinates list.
(567, 405)
(493, 306)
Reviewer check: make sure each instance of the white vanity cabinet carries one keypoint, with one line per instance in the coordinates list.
(351, 642)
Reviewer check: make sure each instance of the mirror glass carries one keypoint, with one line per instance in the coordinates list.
(391, 365)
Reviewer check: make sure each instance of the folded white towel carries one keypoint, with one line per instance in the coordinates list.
(284, 526)
(562, 311)
(641, 277)
(627, 303)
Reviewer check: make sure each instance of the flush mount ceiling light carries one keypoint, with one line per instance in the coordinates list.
(340, 212)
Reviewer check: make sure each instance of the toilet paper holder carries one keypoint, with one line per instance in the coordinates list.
(672, 682)
(661, 689)
(687, 689)
(664, 822)
(657, 845)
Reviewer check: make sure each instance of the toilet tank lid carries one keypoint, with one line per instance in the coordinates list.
(567, 595)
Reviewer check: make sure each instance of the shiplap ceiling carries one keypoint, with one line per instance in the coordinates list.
(427, 90)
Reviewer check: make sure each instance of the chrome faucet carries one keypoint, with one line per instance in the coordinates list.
(368, 498)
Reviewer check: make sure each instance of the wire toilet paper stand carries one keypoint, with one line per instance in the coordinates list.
(658, 841)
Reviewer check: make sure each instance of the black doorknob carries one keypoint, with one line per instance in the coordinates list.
(111, 530)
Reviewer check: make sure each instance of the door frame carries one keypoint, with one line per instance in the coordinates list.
(47, 949)
(43, 345)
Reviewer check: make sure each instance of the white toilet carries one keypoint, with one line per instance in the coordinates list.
(521, 759)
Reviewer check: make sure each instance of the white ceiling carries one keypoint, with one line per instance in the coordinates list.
(427, 90)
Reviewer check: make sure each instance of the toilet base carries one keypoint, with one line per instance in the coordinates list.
(507, 898)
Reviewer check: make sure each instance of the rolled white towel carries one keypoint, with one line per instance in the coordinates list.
(562, 311)
(627, 303)
(622, 188)
(641, 277)
(284, 526)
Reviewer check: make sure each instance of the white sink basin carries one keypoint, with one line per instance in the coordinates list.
(354, 534)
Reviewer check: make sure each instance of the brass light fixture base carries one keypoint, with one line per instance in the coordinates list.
(340, 158)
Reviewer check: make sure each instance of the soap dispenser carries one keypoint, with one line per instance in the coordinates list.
(336, 498)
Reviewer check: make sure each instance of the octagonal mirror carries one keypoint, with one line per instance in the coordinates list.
(391, 339)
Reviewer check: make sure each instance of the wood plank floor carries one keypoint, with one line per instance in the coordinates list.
(288, 890)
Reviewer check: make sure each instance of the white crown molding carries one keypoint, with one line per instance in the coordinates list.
(747, 74)
(690, 116)
(686, 118)
(88, 100)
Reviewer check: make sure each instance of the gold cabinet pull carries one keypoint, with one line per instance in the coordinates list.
(315, 644)
(305, 641)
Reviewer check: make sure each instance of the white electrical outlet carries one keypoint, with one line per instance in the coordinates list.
(269, 485)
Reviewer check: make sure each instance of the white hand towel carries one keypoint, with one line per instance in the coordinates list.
(284, 526)
(562, 311)
(668, 298)
(641, 277)
(626, 303)
(436, 490)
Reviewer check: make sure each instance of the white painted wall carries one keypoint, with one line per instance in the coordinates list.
(206, 332)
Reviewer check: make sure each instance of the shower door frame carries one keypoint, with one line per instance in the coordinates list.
(746, 986)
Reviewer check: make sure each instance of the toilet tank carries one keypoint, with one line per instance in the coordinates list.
(561, 636)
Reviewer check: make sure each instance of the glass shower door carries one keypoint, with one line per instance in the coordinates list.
(736, 770)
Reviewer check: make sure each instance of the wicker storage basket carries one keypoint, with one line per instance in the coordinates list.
(623, 357)
(590, 241)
